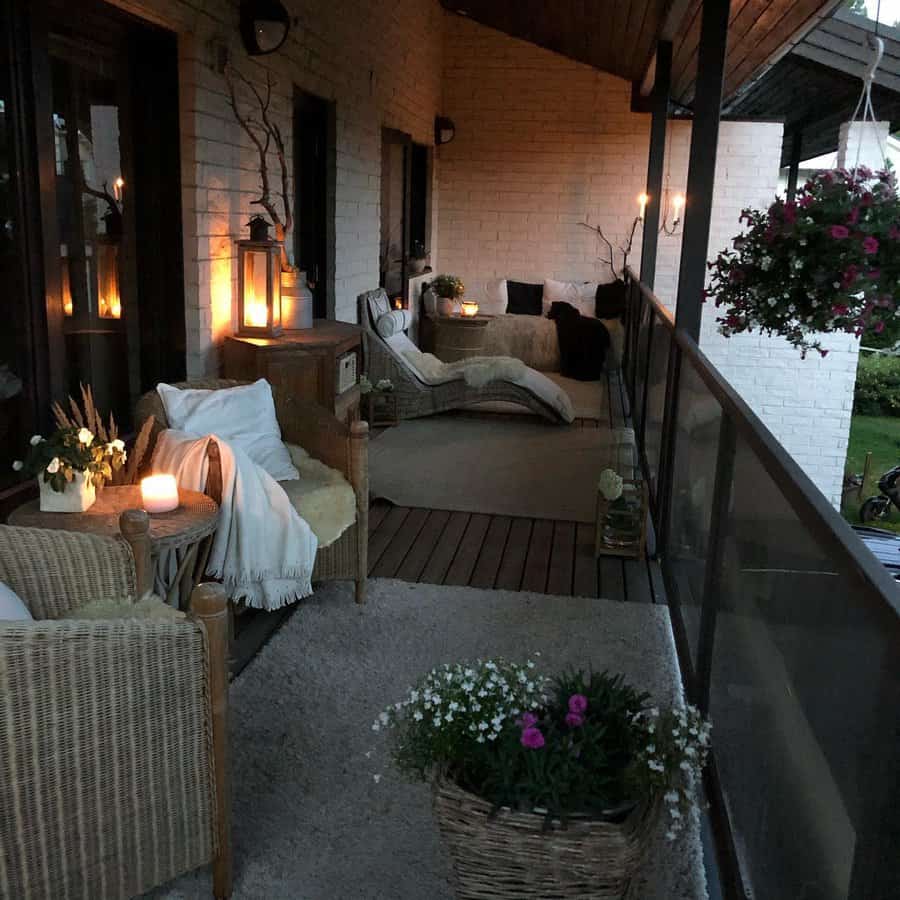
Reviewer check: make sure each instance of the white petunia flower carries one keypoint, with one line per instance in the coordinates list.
(85, 436)
(18, 465)
(53, 465)
(35, 440)
(610, 485)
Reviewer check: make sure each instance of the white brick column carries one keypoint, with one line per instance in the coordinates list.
(862, 144)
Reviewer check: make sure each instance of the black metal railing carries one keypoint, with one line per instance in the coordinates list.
(788, 631)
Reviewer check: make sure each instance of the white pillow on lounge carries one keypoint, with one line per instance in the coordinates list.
(393, 322)
(495, 298)
(243, 416)
(581, 294)
(12, 609)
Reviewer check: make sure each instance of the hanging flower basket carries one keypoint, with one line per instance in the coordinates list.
(827, 262)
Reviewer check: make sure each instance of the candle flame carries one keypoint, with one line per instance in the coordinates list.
(643, 199)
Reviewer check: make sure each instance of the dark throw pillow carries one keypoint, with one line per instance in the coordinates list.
(524, 299)
(611, 300)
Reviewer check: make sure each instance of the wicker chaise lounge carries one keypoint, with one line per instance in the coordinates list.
(416, 397)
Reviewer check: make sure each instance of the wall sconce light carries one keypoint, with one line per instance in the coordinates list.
(677, 205)
(259, 283)
(444, 130)
(264, 26)
(643, 200)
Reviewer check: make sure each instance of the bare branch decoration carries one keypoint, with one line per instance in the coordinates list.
(624, 249)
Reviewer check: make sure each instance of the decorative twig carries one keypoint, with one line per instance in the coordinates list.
(624, 249)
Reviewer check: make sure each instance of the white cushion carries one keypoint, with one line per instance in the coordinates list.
(582, 295)
(379, 305)
(393, 322)
(243, 416)
(495, 298)
(12, 609)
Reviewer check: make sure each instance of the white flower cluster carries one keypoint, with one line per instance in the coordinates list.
(610, 485)
(469, 701)
(676, 751)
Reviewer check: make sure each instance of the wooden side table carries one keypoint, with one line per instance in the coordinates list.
(180, 540)
(459, 337)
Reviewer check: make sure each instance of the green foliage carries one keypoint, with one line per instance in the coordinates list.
(877, 391)
(829, 262)
(448, 286)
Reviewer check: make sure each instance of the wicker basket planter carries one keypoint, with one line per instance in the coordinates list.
(511, 857)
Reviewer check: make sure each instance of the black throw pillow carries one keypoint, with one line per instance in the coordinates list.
(524, 299)
(610, 300)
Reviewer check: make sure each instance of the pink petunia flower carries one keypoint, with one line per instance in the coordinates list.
(839, 232)
(853, 218)
(870, 245)
(528, 720)
(840, 310)
(879, 327)
(574, 720)
(894, 233)
(532, 739)
(578, 704)
(790, 213)
(807, 200)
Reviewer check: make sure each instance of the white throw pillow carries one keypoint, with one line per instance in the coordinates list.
(243, 416)
(12, 609)
(495, 298)
(581, 294)
(393, 322)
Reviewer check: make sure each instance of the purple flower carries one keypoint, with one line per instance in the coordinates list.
(853, 218)
(578, 704)
(879, 327)
(790, 213)
(574, 720)
(839, 309)
(528, 720)
(839, 232)
(807, 200)
(894, 233)
(532, 738)
(850, 275)
(870, 245)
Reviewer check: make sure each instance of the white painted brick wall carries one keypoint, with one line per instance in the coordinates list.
(381, 64)
(542, 143)
(805, 403)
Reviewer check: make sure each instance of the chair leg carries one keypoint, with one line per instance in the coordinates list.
(360, 590)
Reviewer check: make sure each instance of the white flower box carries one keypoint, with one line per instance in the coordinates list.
(78, 496)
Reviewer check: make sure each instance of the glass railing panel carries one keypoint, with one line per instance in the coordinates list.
(640, 357)
(800, 655)
(660, 342)
(696, 447)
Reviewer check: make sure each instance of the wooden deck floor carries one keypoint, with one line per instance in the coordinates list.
(499, 552)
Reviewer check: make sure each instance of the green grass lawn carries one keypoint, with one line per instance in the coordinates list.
(881, 436)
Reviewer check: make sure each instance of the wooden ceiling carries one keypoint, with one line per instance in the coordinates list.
(619, 36)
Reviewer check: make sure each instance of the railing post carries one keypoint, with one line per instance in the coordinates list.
(665, 480)
(715, 556)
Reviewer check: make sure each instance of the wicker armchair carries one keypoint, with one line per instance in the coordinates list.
(114, 768)
(324, 437)
(415, 398)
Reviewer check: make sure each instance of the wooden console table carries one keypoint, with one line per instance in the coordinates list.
(459, 337)
(303, 362)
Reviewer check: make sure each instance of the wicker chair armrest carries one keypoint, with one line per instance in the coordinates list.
(55, 571)
(106, 723)
(321, 434)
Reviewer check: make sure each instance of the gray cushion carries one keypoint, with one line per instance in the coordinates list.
(379, 305)
(393, 322)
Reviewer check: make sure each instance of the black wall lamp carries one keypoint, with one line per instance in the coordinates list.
(264, 25)
(444, 130)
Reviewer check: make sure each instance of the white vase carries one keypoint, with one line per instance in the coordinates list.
(79, 495)
(446, 306)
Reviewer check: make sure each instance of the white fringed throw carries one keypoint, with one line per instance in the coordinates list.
(263, 550)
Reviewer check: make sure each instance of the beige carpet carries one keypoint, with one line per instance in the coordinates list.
(311, 822)
(500, 466)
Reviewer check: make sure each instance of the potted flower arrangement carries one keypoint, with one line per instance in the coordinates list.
(527, 771)
(449, 289)
(418, 258)
(828, 261)
(621, 514)
(70, 465)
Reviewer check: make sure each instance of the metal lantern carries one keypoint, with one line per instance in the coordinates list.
(259, 288)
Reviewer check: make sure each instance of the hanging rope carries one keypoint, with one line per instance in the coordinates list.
(876, 44)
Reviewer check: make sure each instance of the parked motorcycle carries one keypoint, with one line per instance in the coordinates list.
(875, 508)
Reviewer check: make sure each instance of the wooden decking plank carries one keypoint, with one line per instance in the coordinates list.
(401, 544)
(436, 568)
(377, 512)
(381, 540)
(585, 583)
(537, 563)
(488, 565)
(612, 580)
(562, 559)
(463, 564)
(512, 567)
(421, 551)
(637, 581)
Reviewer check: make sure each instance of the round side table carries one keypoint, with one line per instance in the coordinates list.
(459, 337)
(180, 540)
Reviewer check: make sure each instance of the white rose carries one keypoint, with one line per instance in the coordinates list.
(85, 437)
(117, 444)
(35, 440)
(610, 485)
(53, 465)
(18, 465)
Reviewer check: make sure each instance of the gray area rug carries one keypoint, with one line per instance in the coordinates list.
(310, 820)
(495, 465)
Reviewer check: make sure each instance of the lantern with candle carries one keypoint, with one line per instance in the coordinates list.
(259, 282)
(159, 493)
(469, 308)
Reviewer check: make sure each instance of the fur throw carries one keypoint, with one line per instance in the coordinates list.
(583, 342)
(476, 371)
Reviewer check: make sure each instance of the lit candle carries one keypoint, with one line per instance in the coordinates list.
(255, 313)
(642, 205)
(117, 188)
(398, 304)
(469, 308)
(159, 493)
(677, 203)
